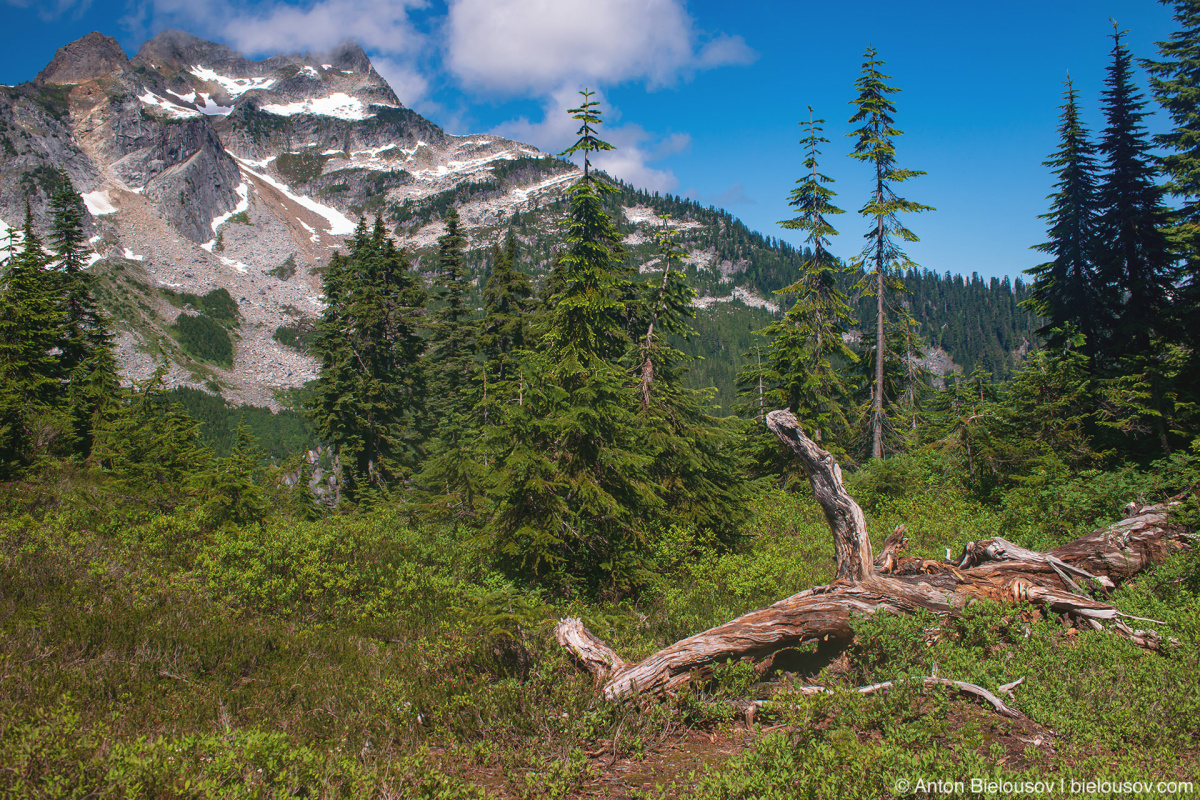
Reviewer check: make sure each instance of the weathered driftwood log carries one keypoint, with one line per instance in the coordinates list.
(993, 569)
(962, 686)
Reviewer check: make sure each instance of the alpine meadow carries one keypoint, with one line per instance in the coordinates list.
(346, 457)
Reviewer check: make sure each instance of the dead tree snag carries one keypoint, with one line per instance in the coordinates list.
(993, 569)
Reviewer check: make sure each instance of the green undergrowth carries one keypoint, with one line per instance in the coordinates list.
(151, 653)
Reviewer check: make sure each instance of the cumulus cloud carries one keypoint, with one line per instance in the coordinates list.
(636, 147)
(384, 27)
(514, 46)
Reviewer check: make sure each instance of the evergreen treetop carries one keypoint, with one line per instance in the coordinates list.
(1065, 289)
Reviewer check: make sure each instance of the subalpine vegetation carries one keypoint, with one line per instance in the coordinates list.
(184, 622)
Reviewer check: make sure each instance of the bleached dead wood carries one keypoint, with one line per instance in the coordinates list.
(993, 569)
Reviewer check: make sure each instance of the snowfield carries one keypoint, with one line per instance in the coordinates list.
(234, 87)
(339, 105)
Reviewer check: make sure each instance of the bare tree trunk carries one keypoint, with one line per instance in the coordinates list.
(993, 569)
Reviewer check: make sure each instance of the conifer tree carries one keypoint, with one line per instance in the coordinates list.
(881, 258)
(30, 369)
(453, 475)
(369, 399)
(507, 300)
(1175, 81)
(587, 316)
(807, 349)
(152, 447)
(85, 341)
(1065, 290)
(1137, 265)
(84, 326)
(452, 344)
(572, 487)
(696, 463)
(235, 495)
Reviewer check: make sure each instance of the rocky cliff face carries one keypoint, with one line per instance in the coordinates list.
(202, 169)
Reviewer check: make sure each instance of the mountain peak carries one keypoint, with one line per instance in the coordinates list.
(349, 56)
(180, 49)
(93, 56)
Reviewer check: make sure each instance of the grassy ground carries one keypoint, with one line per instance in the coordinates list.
(145, 655)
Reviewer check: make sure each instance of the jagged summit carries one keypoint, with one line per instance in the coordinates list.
(348, 55)
(202, 169)
(173, 49)
(93, 56)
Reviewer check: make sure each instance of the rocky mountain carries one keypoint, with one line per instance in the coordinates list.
(203, 170)
(207, 173)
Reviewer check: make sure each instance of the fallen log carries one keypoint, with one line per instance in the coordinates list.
(993, 569)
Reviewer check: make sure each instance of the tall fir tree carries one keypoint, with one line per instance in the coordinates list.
(808, 351)
(31, 375)
(84, 326)
(507, 302)
(1175, 81)
(1136, 265)
(882, 258)
(452, 477)
(573, 491)
(1065, 290)
(369, 399)
(85, 341)
(696, 462)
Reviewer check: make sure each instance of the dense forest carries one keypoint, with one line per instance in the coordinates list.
(361, 600)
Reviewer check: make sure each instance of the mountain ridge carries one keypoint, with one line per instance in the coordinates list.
(203, 170)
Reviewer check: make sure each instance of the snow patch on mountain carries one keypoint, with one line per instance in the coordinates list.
(239, 266)
(211, 108)
(234, 87)
(98, 203)
(167, 107)
(243, 193)
(339, 223)
(338, 104)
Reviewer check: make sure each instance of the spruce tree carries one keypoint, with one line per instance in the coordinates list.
(85, 341)
(451, 349)
(31, 375)
(1136, 265)
(1065, 290)
(573, 493)
(507, 301)
(152, 448)
(807, 350)
(235, 495)
(882, 258)
(369, 399)
(84, 326)
(1175, 81)
(452, 476)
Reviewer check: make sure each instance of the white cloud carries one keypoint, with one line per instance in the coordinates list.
(514, 46)
(49, 10)
(404, 77)
(630, 162)
(383, 27)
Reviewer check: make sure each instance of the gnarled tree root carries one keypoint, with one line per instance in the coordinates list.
(993, 569)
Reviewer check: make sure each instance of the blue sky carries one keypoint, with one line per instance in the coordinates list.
(703, 98)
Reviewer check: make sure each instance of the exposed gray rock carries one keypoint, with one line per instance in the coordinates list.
(93, 56)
